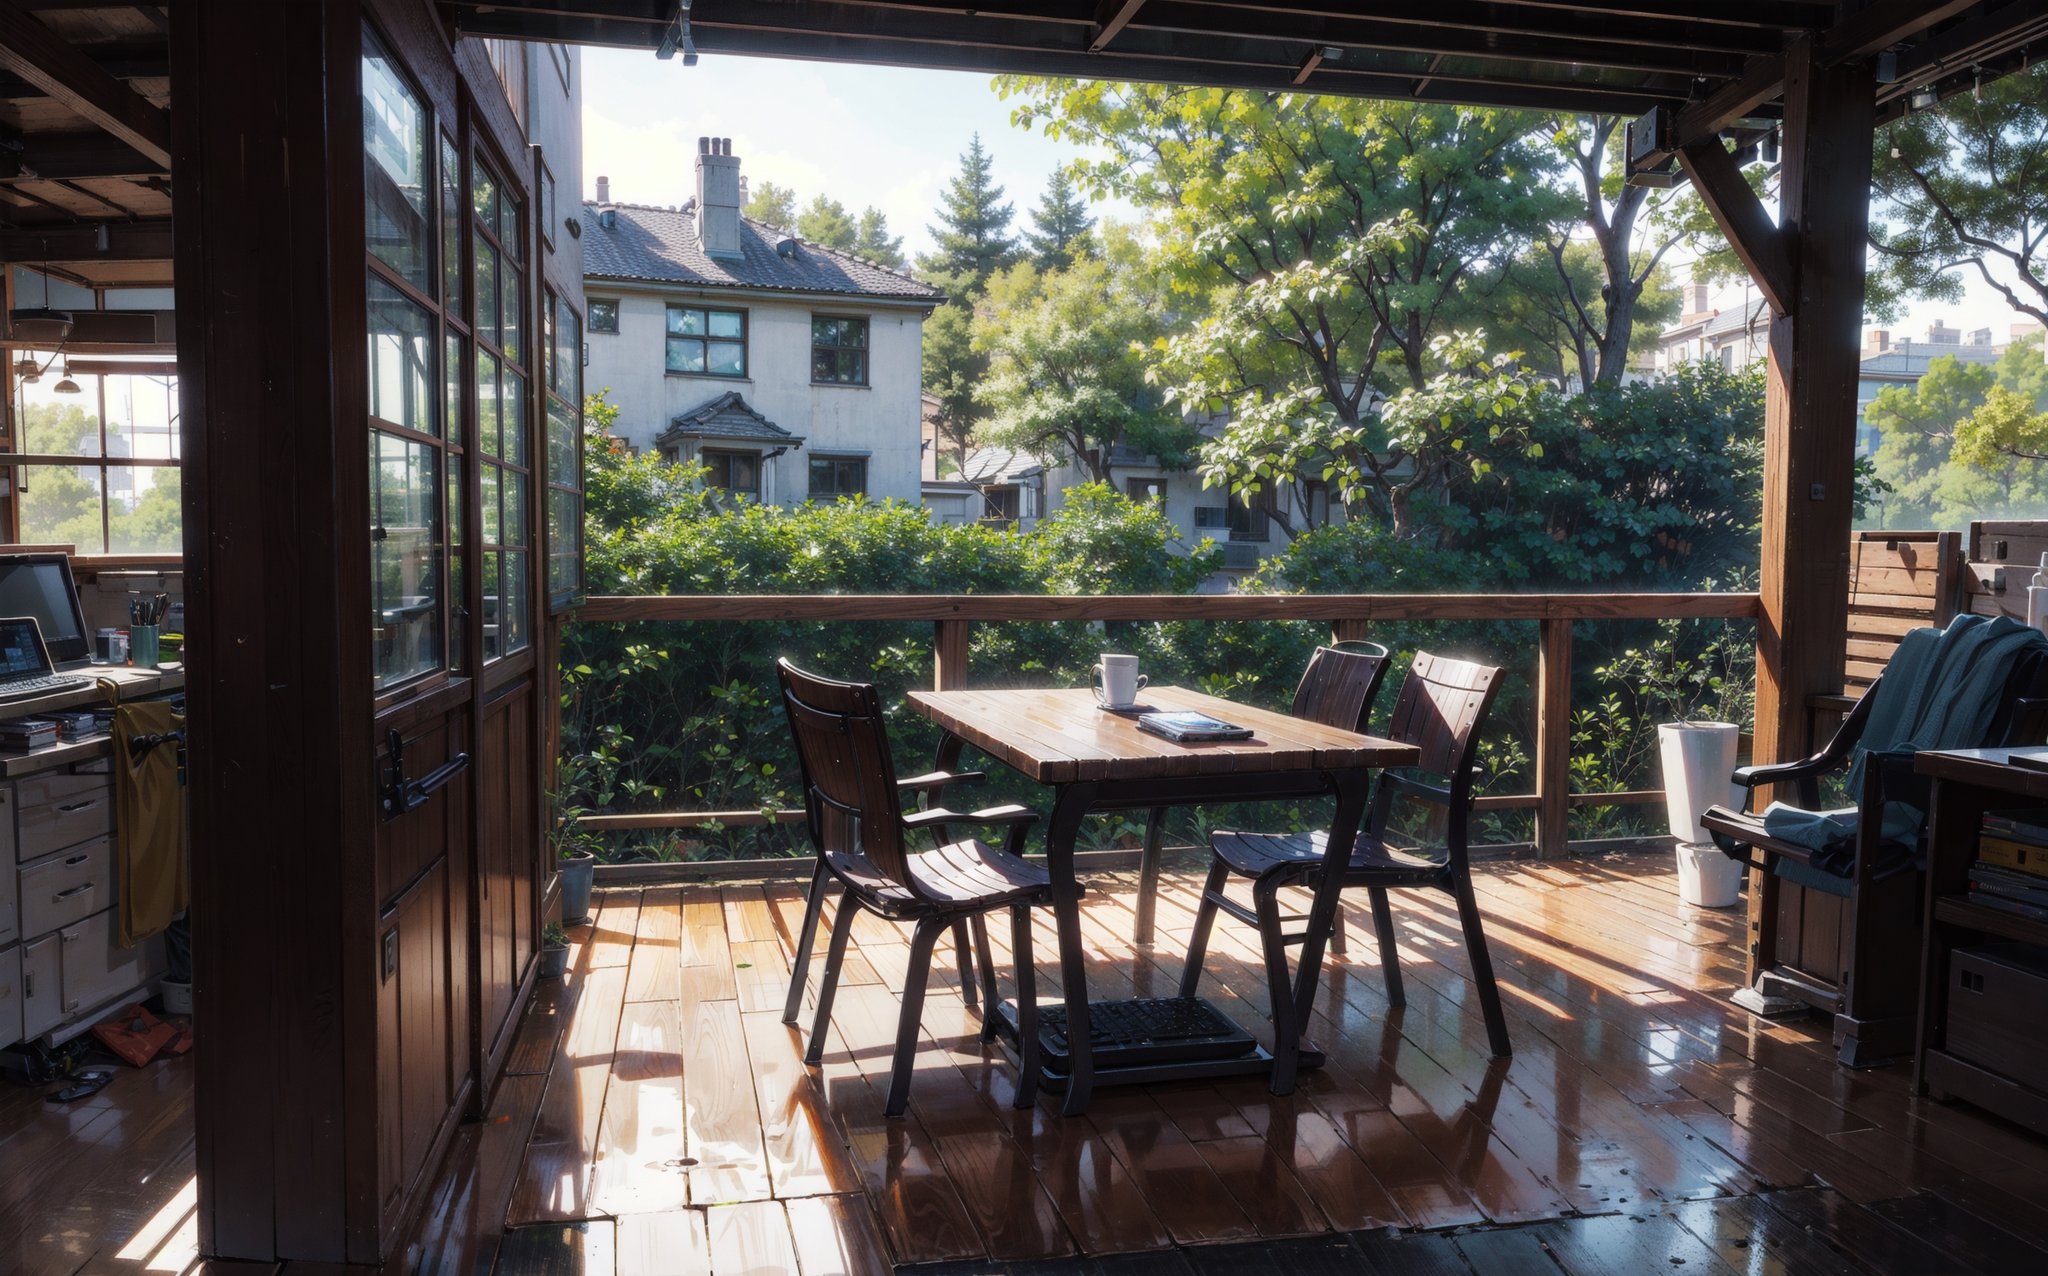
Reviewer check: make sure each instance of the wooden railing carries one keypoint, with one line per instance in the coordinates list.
(1348, 615)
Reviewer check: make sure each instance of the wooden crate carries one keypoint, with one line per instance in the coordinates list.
(2002, 560)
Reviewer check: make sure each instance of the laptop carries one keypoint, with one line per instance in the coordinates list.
(25, 669)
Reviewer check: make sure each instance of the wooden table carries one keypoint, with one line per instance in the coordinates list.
(1101, 761)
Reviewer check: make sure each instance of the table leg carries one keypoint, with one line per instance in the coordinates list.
(1148, 874)
(1350, 788)
(1072, 805)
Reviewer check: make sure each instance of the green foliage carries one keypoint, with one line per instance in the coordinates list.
(773, 204)
(1957, 194)
(1060, 224)
(553, 936)
(953, 368)
(872, 240)
(1967, 441)
(1715, 682)
(825, 221)
(972, 237)
(1065, 379)
(1101, 542)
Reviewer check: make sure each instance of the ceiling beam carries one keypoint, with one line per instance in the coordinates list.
(122, 64)
(1111, 16)
(35, 53)
(1884, 24)
(148, 240)
(1763, 246)
(64, 157)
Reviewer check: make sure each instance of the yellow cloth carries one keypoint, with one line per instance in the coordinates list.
(149, 821)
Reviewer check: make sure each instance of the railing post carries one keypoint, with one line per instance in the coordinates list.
(949, 655)
(1553, 737)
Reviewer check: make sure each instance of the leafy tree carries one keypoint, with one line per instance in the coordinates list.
(1060, 225)
(873, 241)
(773, 204)
(972, 237)
(1599, 286)
(1545, 315)
(1065, 379)
(953, 367)
(1966, 441)
(826, 221)
(1957, 192)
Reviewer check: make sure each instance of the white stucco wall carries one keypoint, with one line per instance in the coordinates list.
(880, 420)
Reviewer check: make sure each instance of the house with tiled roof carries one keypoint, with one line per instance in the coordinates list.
(790, 370)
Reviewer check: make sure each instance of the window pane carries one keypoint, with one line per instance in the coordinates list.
(562, 441)
(55, 424)
(513, 592)
(512, 310)
(451, 224)
(565, 540)
(487, 403)
(458, 614)
(604, 316)
(141, 415)
(685, 354)
(403, 381)
(483, 197)
(60, 505)
(486, 314)
(490, 563)
(489, 503)
(405, 558)
(725, 323)
(727, 358)
(394, 167)
(143, 515)
(451, 365)
(684, 322)
(512, 405)
(455, 507)
(515, 508)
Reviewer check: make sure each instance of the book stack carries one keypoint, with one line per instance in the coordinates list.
(23, 735)
(2011, 872)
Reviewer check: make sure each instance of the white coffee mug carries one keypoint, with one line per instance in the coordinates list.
(1118, 682)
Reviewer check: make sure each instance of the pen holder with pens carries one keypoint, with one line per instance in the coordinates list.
(143, 643)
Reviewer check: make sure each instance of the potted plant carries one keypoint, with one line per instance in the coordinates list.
(554, 951)
(1701, 700)
(575, 856)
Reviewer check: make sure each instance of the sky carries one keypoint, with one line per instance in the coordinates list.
(884, 136)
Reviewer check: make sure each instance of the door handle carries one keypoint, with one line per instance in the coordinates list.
(403, 796)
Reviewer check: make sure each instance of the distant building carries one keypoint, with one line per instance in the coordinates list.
(791, 371)
(1730, 327)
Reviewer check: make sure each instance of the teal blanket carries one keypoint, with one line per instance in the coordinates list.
(1942, 690)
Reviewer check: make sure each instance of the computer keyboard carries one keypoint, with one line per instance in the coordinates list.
(1146, 1030)
(49, 684)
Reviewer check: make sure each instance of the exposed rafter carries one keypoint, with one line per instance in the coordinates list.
(1111, 16)
(1759, 242)
(35, 53)
(56, 157)
(109, 241)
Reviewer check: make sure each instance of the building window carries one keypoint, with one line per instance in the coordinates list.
(707, 343)
(604, 315)
(835, 476)
(508, 61)
(839, 350)
(738, 472)
(503, 358)
(103, 469)
(1251, 515)
(544, 186)
(1146, 489)
(564, 347)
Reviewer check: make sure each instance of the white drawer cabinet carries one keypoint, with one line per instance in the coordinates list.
(95, 970)
(10, 994)
(57, 810)
(10, 904)
(42, 986)
(67, 887)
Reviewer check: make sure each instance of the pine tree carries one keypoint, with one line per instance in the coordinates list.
(873, 241)
(775, 205)
(1060, 224)
(973, 233)
(825, 221)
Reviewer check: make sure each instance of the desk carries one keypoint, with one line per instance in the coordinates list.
(1099, 761)
(135, 684)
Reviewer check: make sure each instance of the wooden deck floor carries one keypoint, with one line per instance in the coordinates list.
(656, 1119)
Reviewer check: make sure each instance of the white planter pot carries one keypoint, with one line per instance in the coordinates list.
(1699, 761)
(1707, 878)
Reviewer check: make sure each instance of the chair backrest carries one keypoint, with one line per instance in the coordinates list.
(1441, 708)
(1339, 685)
(849, 778)
(1897, 581)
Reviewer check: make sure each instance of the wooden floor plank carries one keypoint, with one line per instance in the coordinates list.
(837, 1236)
(730, 1160)
(672, 1244)
(752, 1236)
(554, 1184)
(559, 1249)
(638, 1164)
(1749, 1234)
(655, 964)
(1629, 1245)
(806, 1155)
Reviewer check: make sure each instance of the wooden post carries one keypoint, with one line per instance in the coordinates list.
(1350, 630)
(1810, 409)
(949, 654)
(1553, 738)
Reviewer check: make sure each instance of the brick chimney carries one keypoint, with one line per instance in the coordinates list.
(718, 197)
(604, 190)
(1879, 341)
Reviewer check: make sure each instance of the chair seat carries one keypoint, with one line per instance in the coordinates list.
(971, 876)
(1258, 854)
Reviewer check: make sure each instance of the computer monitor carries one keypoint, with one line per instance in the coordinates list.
(41, 585)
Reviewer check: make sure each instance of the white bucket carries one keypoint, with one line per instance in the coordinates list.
(1706, 877)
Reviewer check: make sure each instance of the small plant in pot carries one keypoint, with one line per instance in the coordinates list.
(1702, 700)
(576, 856)
(554, 951)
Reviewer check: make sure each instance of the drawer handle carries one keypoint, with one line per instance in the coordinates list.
(78, 859)
(61, 896)
(71, 1007)
(86, 805)
(28, 984)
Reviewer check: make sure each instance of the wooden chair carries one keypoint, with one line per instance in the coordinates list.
(1441, 709)
(853, 804)
(1850, 946)
(1337, 689)
(1898, 581)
